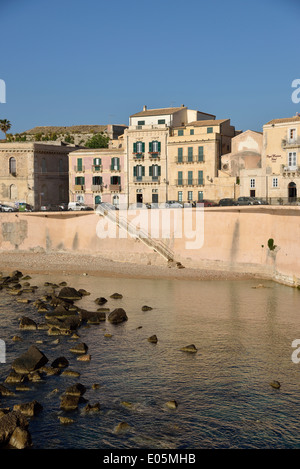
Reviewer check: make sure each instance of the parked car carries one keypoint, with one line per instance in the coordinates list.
(51, 208)
(76, 206)
(260, 201)
(158, 205)
(23, 207)
(174, 204)
(227, 202)
(247, 201)
(207, 203)
(137, 206)
(7, 208)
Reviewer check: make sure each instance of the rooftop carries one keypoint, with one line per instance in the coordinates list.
(158, 112)
(205, 123)
(284, 120)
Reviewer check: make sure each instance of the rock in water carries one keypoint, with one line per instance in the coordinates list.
(275, 384)
(60, 362)
(79, 348)
(146, 308)
(29, 361)
(172, 404)
(153, 339)
(27, 324)
(116, 296)
(117, 316)
(75, 390)
(189, 348)
(69, 293)
(29, 408)
(69, 402)
(20, 439)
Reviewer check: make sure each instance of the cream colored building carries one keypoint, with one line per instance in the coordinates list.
(34, 173)
(281, 159)
(147, 143)
(194, 153)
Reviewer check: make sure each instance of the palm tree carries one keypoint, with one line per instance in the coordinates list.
(5, 125)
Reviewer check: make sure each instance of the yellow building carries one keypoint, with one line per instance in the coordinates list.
(281, 159)
(194, 154)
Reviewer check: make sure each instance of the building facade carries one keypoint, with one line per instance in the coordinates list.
(98, 175)
(195, 151)
(34, 173)
(147, 145)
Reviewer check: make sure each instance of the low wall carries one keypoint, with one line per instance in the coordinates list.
(235, 239)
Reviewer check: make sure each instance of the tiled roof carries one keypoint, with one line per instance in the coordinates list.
(206, 123)
(284, 120)
(158, 112)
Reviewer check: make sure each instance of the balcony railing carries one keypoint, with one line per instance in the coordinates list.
(96, 188)
(154, 155)
(115, 168)
(79, 169)
(189, 182)
(79, 187)
(189, 159)
(138, 156)
(290, 142)
(147, 179)
(96, 168)
(290, 169)
(115, 187)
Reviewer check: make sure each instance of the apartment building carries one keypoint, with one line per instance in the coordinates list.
(146, 143)
(98, 175)
(194, 157)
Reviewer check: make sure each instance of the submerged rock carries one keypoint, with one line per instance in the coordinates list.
(60, 362)
(69, 293)
(69, 402)
(31, 360)
(275, 384)
(117, 316)
(81, 348)
(100, 301)
(92, 407)
(76, 390)
(146, 308)
(122, 427)
(116, 296)
(189, 348)
(153, 339)
(30, 409)
(65, 420)
(172, 404)
(27, 324)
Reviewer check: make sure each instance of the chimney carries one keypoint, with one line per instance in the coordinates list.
(182, 105)
(145, 108)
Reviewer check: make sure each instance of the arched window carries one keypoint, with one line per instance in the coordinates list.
(12, 166)
(98, 199)
(13, 192)
(115, 200)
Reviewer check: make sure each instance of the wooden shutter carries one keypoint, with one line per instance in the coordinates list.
(200, 153)
(143, 170)
(200, 178)
(150, 170)
(134, 147)
(150, 146)
(159, 146)
(143, 147)
(79, 164)
(159, 170)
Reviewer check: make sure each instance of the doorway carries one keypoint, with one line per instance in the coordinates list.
(139, 198)
(292, 192)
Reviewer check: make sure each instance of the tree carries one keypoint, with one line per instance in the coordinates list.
(5, 125)
(98, 141)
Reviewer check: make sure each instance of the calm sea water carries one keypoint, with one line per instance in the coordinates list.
(243, 336)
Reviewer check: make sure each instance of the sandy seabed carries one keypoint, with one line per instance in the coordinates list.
(85, 264)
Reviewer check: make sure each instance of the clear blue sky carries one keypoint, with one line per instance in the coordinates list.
(68, 62)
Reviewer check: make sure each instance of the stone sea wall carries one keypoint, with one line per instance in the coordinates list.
(235, 239)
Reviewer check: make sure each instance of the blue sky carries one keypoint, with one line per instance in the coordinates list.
(69, 62)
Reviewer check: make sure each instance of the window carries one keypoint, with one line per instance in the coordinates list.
(292, 159)
(97, 164)
(79, 181)
(190, 154)
(12, 167)
(200, 196)
(115, 164)
(190, 177)
(292, 135)
(200, 153)
(139, 147)
(180, 178)
(200, 178)
(141, 122)
(209, 130)
(97, 181)
(154, 171)
(252, 182)
(79, 164)
(98, 199)
(161, 121)
(115, 180)
(191, 131)
(190, 195)
(275, 182)
(179, 196)
(180, 133)
(154, 147)
(139, 172)
(179, 155)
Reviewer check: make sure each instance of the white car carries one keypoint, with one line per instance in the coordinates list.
(174, 204)
(7, 208)
(76, 206)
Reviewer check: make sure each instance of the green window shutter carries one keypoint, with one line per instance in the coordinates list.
(200, 153)
(79, 164)
(200, 178)
(150, 170)
(83, 181)
(134, 147)
(97, 161)
(190, 177)
(190, 153)
(134, 171)
(209, 130)
(180, 133)
(179, 177)
(143, 170)
(100, 180)
(76, 181)
(111, 179)
(150, 146)
(159, 146)
(191, 131)
(117, 162)
(159, 170)
(179, 155)
(143, 147)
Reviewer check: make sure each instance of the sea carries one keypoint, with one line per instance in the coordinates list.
(244, 332)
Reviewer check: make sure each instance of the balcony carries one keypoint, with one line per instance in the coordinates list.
(115, 187)
(146, 179)
(138, 156)
(96, 168)
(290, 143)
(79, 188)
(189, 159)
(79, 169)
(189, 182)
(290, 171)
(115, 168)
(96, 188)
(154, 155)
